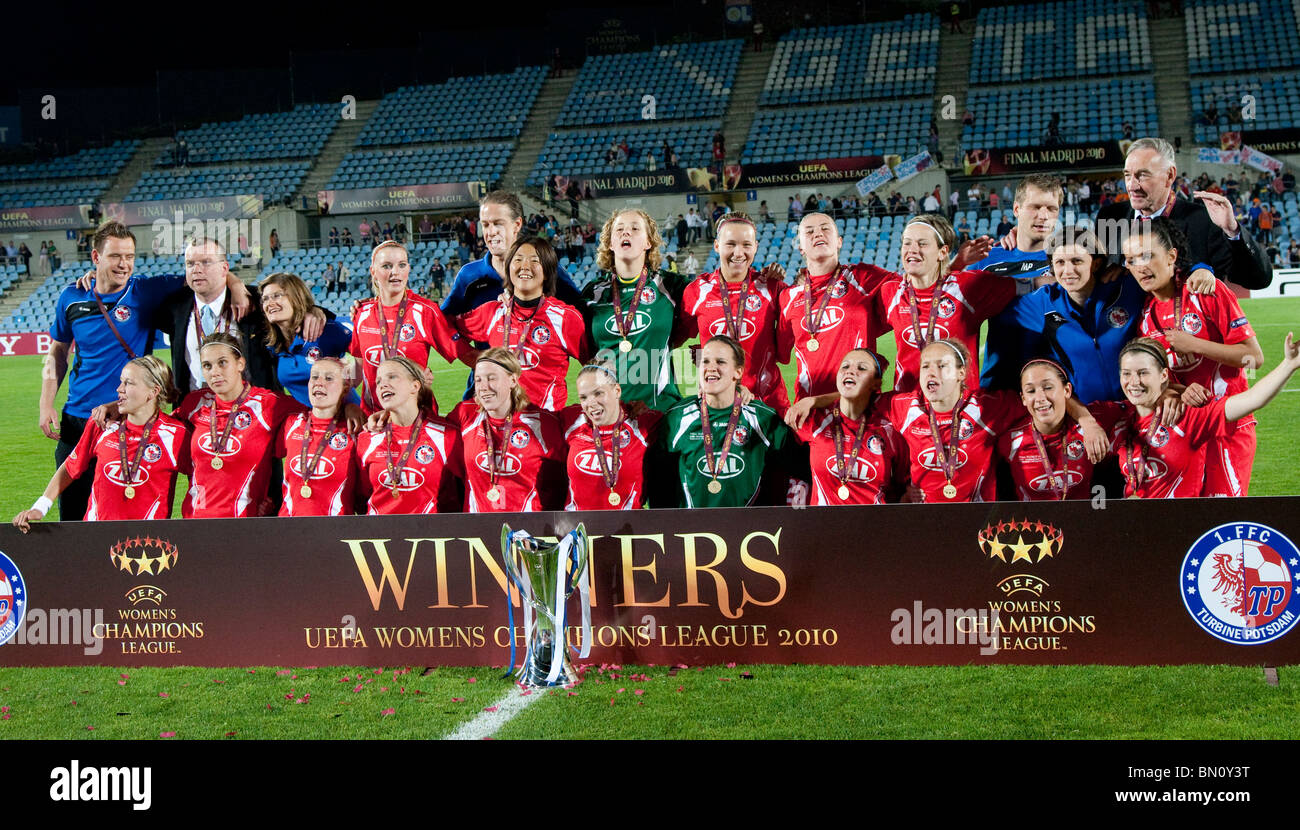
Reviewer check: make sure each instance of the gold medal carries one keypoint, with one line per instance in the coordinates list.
(813, 345)
(305, 491)
(217, 463)
(396, 493)
(493, 494)
(625, 346)
(715, 486)
(613, 498)
(129, 492)
(949, 491)
(843, 492)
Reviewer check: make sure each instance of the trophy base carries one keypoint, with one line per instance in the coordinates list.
(538, 667)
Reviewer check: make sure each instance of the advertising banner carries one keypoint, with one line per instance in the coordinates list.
(1273, 142)
(637, 184)
(201, 209)
(401, 197)
(1129, 582)
(813, 171)
(24, 343)
(52, 217)
(1000, 160)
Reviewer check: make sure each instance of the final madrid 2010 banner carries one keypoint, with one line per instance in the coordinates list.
(1188, 581)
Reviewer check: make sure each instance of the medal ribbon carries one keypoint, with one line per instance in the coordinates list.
(1064, 473)
(736, 321)
(494, 460)
(1178, 313)
(330, 432)
(842, 466)
(1132, 461)
(947, 452)
(821, 306)
(109, 319)
(395, 472)
(923, 339)
(616, 288)
(130, 468)
(712, 462)
(219, 445)
(505, 327)
(608, 471)
(390, 348)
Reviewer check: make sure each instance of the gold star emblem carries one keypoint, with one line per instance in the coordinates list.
(145, 567)
(1020, 550)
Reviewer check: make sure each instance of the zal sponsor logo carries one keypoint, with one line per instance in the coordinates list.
(324, 467)
(587, 462)
(909, 334)
(1043, 484)
(1155, 468)
(719, 326)
(1241, 583)
(730, 467)
(528, 358)
(929, 459)
(113, 470)
(860, 470)
(832, 316)
(205, 444)
(375, 355)
(408, 479)
(640, 322)
(509, 464)
(74, 782)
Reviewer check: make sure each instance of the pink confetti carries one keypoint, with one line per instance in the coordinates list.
(4, 709)
(638, 691)
(167, 734)
(526, 692)
(573, 694)
(611, 701)
(121, 682)
(383, 688)
(125, 676)
(725, 679)
(219, 682)
(74, 703)
(252, 671)
(163, 694)
(345, 679)
(4, 717)
(231, 734)
(473, 680)
(379, 671)
(90, 729)
(621, 691)
(388, 712)
(489, 708)
(731, 665)
(357, 688)
(283, 672)
(679, 688)
(458, 700)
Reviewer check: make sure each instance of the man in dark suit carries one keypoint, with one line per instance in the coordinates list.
(1212, 231)
(190, 315)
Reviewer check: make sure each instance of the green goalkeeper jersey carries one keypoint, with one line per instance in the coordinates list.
(760, 438)
(646, 372)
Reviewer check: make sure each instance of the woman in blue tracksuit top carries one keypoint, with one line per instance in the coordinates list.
(1084, 319)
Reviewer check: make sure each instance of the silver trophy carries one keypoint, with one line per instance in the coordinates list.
(548, 577)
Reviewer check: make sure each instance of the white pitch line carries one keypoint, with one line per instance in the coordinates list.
(487, 724)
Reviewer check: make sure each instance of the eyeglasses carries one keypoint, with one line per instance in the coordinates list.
(199, 264)
(273, 298)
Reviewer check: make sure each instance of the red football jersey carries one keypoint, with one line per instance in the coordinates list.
(985, 416)
(1215, 317)
(154, 482)
(423, 327)
(429, 480)
(333, 479)
(881, 461)
(849, 321)
(966, 300)
(702, 315)
(543, 337)
(1172, 461)
(1067, 458)
(587, 487)
(530, 454)
(238, 488)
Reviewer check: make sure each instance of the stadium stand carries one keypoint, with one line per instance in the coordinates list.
(1216, 104)
(102, 162)
(1107, 37)
(582, 152)
(854, 63)
(1231, 36)
(270, 181)
(1090, 111)
(831, 132)
(380, 168)
(688, 80)
(51, 193)
(412, 115)
(298, 133)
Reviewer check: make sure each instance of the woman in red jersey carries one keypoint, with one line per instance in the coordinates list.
(542, 332)
(1160, 462)
(514, 452)
(397, 321)
(1048, 453)
(951, 430)
(742, 303)
(320, 475)
(1211, 340)
(928, 301)
(606, 445)
(413, 464)
(234, 427)
(135, 478)
(857, 457)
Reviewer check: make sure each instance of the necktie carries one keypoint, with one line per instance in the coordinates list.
(209, 319)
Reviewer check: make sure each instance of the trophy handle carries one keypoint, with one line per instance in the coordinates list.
(583, 544)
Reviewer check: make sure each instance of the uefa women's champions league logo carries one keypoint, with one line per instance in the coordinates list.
(13, 598)
(1241, 583)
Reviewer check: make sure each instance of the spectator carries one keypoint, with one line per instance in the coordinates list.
(691, 265)
(696, 225)
(763, 214)
(794, 210)
(758, 39)
(55, 259)
(399, 232)
(1264, 221)
(364, 230)
(331, 278)
(954, 199)
(437, 278)
(933, 204)
(683, 231)
(650, 162)
(954, 18)
(334, 236)
(344, 273)
(26, 254)
(346, 238)
(1005, 226)
(426, 228)
(1293, 254)
(43, 264)
(274, 243)
(963, 231)
(968, 118)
